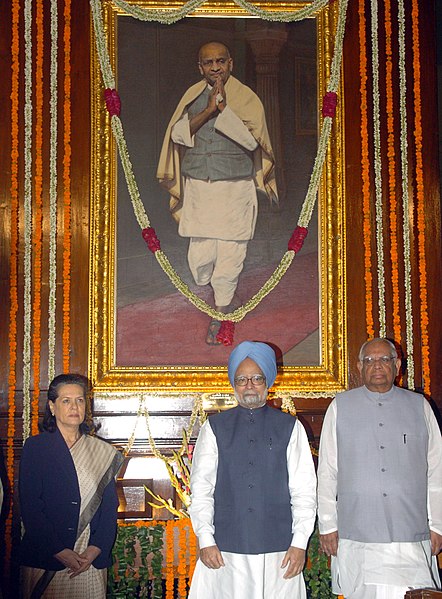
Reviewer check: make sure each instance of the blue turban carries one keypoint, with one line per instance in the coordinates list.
(261, 353)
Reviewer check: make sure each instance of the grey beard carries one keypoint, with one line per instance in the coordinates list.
(252, 401)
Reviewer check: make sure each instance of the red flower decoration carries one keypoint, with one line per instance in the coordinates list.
(150, 237)
(296, 241)
(329, 102)
(226, 331)
(113, 102)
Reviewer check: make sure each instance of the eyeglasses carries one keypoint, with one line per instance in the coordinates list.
(370, 360)
(257, 379)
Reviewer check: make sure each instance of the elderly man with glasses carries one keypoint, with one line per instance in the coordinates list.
(253, 488)
(380, 484)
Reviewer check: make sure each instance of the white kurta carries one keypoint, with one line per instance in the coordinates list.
(401, 565)
(224, 210)
(250, 576)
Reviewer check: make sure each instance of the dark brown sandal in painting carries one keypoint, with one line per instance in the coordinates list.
(212, 332)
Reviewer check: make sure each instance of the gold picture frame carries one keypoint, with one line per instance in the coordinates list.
(322, 379)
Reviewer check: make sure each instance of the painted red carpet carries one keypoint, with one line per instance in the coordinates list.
(171, 331)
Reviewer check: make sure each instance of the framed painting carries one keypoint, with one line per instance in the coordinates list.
(144, 334)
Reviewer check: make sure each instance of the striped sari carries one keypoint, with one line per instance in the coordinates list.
(96, 463)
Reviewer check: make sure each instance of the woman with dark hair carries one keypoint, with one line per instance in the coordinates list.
(68, 499)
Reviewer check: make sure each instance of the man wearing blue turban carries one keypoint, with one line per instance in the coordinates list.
(253, 487)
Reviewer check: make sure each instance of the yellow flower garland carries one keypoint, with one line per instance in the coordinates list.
(38, 218)
(365, 165)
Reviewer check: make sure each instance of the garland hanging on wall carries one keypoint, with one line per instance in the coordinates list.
(113, 105)
(13, 264)
(406, 205)
(66, 177)
(37, 240)
(27, 215)
(377, 161)
(53, 179)
(405, 197)
(420, 202)
(396, 318)
(365, 172)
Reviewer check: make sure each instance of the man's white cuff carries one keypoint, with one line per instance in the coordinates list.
(206, 540)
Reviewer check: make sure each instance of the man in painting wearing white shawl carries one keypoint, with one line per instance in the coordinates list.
(216, 153)
(253, 491)
(380, 484)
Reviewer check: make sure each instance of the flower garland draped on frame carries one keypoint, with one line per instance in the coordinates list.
(113, 105)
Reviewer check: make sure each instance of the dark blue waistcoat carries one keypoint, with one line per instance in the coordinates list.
(252, 500)
(214, 156)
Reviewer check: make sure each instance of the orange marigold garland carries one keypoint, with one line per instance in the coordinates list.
(365, 163)
(170, 555)
(38, 216)
(13, 268)
(420, 202)
(183, 525)
(67, 188)
(193, 551)
(392, 176)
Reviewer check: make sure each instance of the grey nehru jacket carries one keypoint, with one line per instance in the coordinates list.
(214, 156)
(382, 441)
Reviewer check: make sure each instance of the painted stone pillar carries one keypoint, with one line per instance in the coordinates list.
(266, 45)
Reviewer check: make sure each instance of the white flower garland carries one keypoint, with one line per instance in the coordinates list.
(117, 128)
(198, 413)
(27, 209)
(172, 16)
(378, 167)
(53, 183)
(405, 196)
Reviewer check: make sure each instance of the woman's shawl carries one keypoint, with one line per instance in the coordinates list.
(102, 461)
